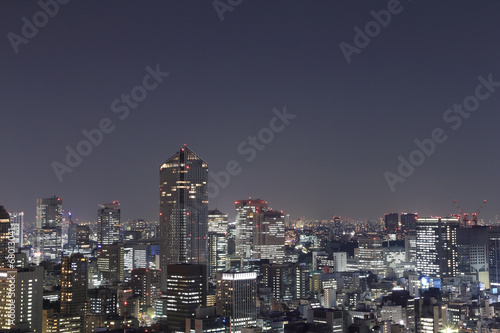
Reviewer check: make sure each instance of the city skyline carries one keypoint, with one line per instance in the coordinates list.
(299, 78)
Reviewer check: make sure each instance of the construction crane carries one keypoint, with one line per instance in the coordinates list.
(474, 215)
(466, 223)
(463, 216)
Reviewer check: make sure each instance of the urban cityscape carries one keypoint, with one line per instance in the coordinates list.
(195, 270)
(249, 166)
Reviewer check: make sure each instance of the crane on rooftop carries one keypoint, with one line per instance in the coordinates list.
(466, 223)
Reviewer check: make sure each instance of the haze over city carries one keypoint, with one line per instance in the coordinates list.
(355, 114)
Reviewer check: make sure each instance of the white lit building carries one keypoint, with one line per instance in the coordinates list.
(237, 299)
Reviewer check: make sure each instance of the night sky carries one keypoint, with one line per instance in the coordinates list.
(353, 120)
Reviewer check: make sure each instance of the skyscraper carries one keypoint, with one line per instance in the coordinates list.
(269, 236)
(4, 237)
(17, 227)
(237, 299)
(217, 254)
(408, 221)
(391, 223)
(74, 285)
(217, 221)
(183, 210)
(108, 219)
(436, 241)
(246, 213)
(21, 298)
(49, 228)
(186, 291)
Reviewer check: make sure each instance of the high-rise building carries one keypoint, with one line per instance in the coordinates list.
(72, 232)
(110, 262)
(436, 242)
(237, 299)
(371, 255)
(246, 214)
(408, 221)
(473, 252)
(392, 223)
(183, 210)
(82, 235)
(49, 212)
(217, 254)
(411, 246)
(108, 220)
(269, 236)
(17, 227)
(186, 291)
(5, 239)
(21, 299)
(74, 285)
(102, 301)
(217, 221)
(48, 231)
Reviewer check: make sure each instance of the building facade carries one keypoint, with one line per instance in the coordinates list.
(183, 210)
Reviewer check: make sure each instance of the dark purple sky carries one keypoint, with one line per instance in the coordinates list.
(353, 120)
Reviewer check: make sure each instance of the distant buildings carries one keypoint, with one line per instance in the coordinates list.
(269, 236)
(17, 227)
(48, 231)
(108, 222)
(246, 215)
(391, 223)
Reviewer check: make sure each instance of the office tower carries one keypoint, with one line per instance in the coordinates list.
(301, 281)
(494, 255)
(48, 231)
(17, 227)
(186, 290)
(408, 221)
(399, 307)
(337, 227)
(371, 255)
(339, 261)
(108, 220)
(217, 253)
(72, 233)
(473, 252)
(102, 301)
(217, 221)
(391, 223)
(436, 240)
(83, 235)
(246, 213)
(237, 299)
(269, 236)
(74, 284)
(183, 210)
(411, 246)
(5, 239)
(49, 212)
(110, 262)
(146, 284)
(21, 299)
(280, 278)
